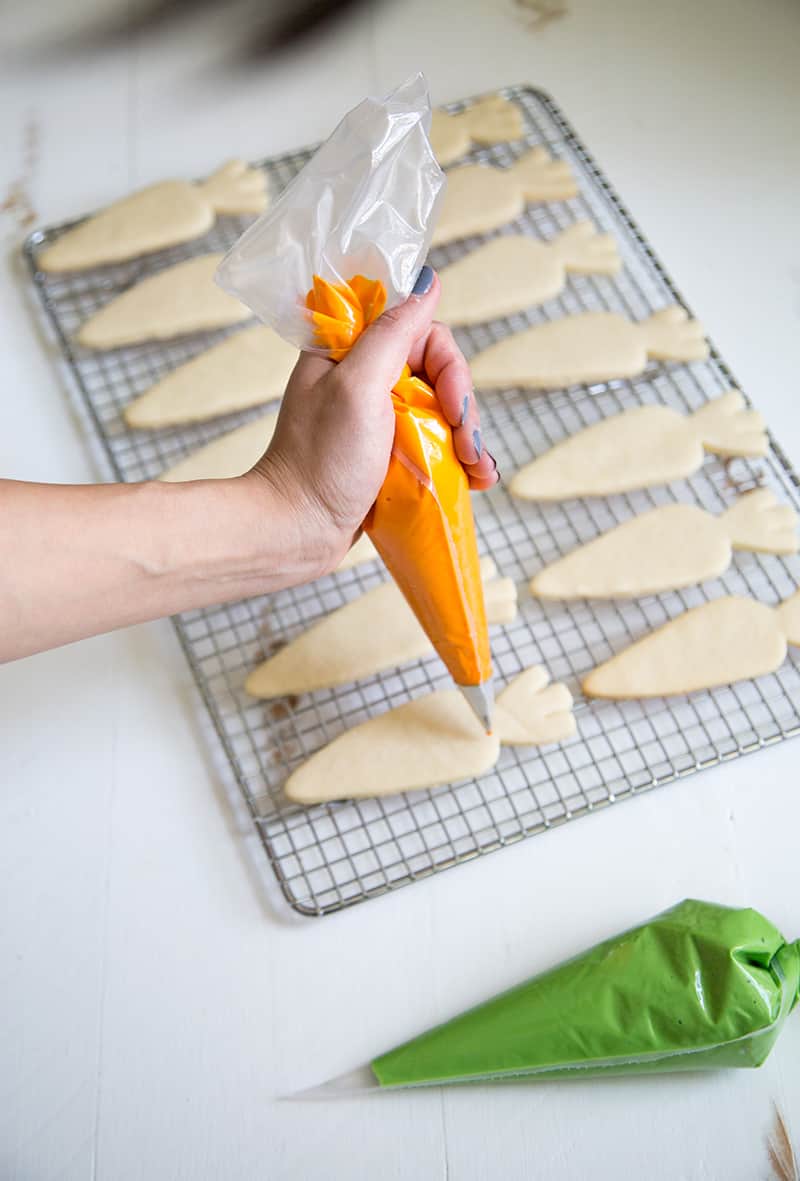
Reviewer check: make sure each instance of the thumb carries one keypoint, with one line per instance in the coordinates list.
(376, 360)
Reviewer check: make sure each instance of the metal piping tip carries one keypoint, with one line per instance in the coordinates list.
(480, 699)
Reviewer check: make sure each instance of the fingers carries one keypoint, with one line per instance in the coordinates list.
(468, 437)
(476, 485)
(376, 360)
(439, 358)
(479, 463)
(483, 474)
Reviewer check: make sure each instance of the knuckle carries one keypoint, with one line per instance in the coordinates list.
(390, 319)
(443, 335)
(451, 353)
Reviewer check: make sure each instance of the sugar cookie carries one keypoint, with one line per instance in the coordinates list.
(642, 447)
(433, 740)
(161, 215)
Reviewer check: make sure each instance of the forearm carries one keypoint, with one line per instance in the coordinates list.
(79, 560)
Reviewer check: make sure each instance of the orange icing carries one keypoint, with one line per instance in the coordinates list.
(421, 523)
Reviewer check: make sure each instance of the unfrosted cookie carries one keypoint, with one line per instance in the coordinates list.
(489, 121)
(161, 215)
(516, 271)
(479, 198)
(728, 640)
(374, 632)
(230, 455)
(177, 301)
(589, 347)
(247, 369)
(360, 552)
(642, 447)
(669, 547)
(433, 740)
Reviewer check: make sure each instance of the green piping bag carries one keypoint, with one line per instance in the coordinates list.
(698, 987)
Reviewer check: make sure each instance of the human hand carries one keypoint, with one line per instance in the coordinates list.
(119, 554)
(330, 451)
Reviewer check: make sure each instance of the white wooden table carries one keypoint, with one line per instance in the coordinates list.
(153, 1003)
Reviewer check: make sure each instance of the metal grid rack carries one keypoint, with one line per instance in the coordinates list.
(331, 856)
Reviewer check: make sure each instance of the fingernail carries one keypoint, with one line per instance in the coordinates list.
(424, 281)
(477, 443)
(464, 410)
(494, 461)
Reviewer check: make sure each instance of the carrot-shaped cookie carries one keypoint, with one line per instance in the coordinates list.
(246, 369)
(376, 631)
(489, 121)
(177, 301)
(231, 454)
(480, 198)
(433, 740)
(730, 639)
(669, 547)
(516, 271)
(163, 214)
(589, 347)
(640, 448)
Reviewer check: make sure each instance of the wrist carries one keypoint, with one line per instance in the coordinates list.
(230, 539)
(291, 540)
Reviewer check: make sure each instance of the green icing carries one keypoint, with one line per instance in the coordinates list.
(698, 987)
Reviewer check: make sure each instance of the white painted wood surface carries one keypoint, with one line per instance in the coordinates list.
(153, 1003)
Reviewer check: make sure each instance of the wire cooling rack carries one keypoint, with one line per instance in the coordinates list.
(328, 857)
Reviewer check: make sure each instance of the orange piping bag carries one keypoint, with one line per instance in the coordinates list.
(421, 523)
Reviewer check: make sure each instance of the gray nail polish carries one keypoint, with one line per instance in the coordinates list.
(478, 443)
(464, 410)
(424, 281)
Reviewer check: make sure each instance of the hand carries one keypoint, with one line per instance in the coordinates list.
(330, 451)
(119, 554)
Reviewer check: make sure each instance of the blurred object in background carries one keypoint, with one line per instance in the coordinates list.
(541, 12)
(263, 26)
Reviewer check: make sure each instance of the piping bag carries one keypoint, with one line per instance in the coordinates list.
(344, 241)
(699, 987)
